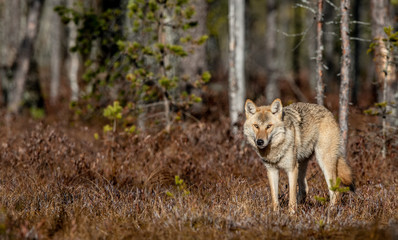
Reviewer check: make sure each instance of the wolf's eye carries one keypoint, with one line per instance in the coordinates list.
(269, 126)
(256, 126)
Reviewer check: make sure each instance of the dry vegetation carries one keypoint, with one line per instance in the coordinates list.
(57, 181)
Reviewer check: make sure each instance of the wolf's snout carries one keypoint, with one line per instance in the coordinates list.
(260, 142)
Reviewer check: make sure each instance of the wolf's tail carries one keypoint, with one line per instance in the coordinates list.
(344, 172)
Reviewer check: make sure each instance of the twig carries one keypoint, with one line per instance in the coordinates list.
(305, 7)
(333, 5)
(360, 22)
(360, 39)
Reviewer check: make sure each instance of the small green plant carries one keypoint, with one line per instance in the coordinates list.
(37, 113)
(335, 187)
(180, 186)
(113, 113)
(321, 223)
(321, 200)
(380, 109)
(96, 136)
(130, 130)
(392, 39)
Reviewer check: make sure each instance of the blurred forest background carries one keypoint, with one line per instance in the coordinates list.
(84, 55)
(123, 118)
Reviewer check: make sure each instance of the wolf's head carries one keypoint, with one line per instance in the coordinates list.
(263, 123)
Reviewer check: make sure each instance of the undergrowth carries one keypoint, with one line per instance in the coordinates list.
(58, 181)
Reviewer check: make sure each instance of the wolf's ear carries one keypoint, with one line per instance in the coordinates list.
(250, 108)
(276, 106)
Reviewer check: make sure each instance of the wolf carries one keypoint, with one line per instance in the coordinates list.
(286, 138)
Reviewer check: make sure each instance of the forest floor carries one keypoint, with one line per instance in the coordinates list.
(58, 181)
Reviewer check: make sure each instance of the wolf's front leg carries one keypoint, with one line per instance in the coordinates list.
(292, 175)
(273, 178)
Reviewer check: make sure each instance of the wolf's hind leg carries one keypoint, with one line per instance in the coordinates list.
(302, 181)
(328, 163)
(292, 175)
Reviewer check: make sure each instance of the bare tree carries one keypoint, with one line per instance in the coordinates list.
(195, 63)
(55, 54)
(73, 58)
(380, 20)
(10, 35)
(319, 59)
(384, 64)
(236, 19)
(24, 55)
(345, 73)
(272, 88)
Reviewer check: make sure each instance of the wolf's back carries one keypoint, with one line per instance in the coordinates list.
(308, 121)
(314, 119)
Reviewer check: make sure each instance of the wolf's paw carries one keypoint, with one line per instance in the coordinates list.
(275, 207)
(301, 198)
(292, 209)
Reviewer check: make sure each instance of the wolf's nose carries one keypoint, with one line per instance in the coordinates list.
(260, 142)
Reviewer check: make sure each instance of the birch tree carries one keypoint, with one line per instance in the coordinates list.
(24, 55)
(272, 88)
(236, 15)
(73, 58)
(319, 59)
(55, 54)
(385, 67)
(345, 73)
(13, 23)
(384, 64)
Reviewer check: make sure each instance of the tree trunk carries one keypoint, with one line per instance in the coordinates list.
(319, 59)
(297, 43)
(345, 74)
(24, 55)
(385, 69)
(272, 88)
(73, 59)
(10, 36)
(236, 77)
(311, 52)
(195, 63)
(357, 48)
(55, 54)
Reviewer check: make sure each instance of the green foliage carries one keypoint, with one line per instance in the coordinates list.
(96, 136)
(107, 128)
(113, 112)
(130, 130)
(180, 186)
(391, 38)
(322, 200)
(335, 187)
(102, 27)
(391, 45)
(37, 113)
(141, 68)
(380, 109)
